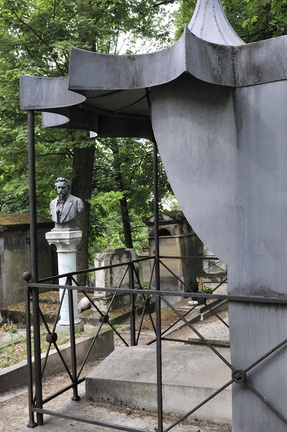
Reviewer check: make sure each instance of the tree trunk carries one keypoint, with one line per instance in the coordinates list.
(123, 200)
(126, 223)
(83, 164)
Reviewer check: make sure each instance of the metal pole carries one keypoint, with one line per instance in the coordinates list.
(32, 196)
(156, 214)
(158, 298)
(34, 263)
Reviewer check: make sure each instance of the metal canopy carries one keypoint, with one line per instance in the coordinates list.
(110, 94)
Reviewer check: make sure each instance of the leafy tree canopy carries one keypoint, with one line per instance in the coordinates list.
(35, 38)
(123, 173)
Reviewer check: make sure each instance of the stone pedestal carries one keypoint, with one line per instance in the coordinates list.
(66, 242)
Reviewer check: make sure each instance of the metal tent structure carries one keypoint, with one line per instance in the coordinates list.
(216, 108)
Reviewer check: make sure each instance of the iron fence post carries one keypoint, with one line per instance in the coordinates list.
(32, 422)
(159, 366)
(132, 300)
(37, 354)
(76, 396)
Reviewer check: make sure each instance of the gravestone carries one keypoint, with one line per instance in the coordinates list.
(176, 239)
(15, 255)
(112, 277)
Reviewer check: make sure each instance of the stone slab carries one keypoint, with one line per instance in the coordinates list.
(190, 375)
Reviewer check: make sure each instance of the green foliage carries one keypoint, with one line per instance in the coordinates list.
(264, 19)
(123, 169)
(170, 203)
(35, 38)
(107, 227)
(182, 16)
(253, 20)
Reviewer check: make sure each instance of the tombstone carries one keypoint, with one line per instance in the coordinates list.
(176, 239)
(15, 255)
(214, 272)
(112, 277)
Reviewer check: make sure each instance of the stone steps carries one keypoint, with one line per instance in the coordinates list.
(127, 377)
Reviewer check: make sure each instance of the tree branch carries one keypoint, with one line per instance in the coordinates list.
(164, 3)
(43, 41)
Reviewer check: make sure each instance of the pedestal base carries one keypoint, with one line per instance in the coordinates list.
(65, 328)
(66, 242)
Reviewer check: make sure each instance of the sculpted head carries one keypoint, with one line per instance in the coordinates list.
(63, 187)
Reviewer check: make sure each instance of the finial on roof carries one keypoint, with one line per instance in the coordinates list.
(209, 23)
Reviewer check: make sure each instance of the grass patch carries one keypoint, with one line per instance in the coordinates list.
(14, 349)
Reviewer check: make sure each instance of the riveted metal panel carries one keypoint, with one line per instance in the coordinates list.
(90, 70)
(209, 23)
(261, 62)
(209, 62)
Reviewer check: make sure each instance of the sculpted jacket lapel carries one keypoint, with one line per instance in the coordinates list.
(66, 208)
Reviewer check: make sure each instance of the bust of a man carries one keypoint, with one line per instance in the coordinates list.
(65, 207)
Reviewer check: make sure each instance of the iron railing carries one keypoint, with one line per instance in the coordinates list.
(151, 304)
